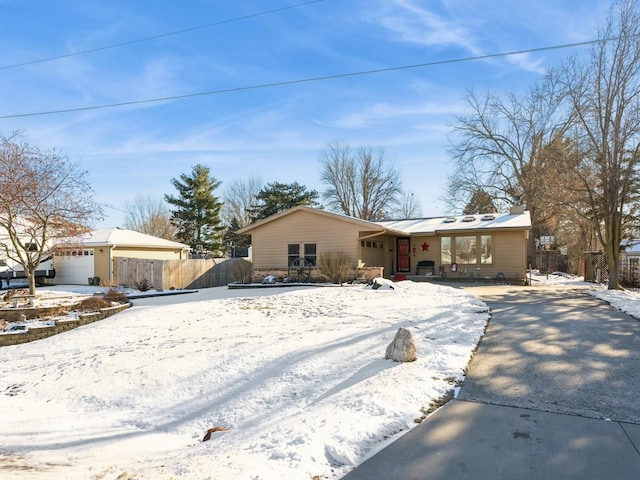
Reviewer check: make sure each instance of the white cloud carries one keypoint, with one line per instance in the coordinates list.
(417, 25)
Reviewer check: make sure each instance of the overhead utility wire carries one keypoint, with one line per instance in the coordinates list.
(155, 37)
(314, 79)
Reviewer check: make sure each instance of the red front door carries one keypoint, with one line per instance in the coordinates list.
(404, 264)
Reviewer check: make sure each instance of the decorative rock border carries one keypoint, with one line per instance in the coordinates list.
(38, 333)
(11, 314)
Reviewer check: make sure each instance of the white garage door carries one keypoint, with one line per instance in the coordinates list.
(74, 267)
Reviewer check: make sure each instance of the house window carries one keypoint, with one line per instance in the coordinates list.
(293, 252)
(466, 249)
(445, 250)
(486, 249)
(310, 253)
(371, 244)
(306, 250)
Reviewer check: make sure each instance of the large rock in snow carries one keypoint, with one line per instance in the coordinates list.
(403, 347)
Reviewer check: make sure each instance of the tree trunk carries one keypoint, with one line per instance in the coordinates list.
(31, 277)
(613, 259)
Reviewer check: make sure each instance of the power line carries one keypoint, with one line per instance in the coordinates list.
(155, 37)
(314, 79)
(115, 208)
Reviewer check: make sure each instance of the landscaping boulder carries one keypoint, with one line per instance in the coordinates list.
(403, 347)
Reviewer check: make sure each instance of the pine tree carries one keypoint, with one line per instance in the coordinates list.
(232, 239)
(277, 197)
(197, 213)
(481, 202)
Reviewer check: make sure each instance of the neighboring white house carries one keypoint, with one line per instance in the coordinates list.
(631, 250)
(12, 270)
(630, 262)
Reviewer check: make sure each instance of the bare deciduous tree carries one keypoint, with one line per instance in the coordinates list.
(43, 197)
(605, 96)
(408, 206)
(240, 198)
(362, 184)
(150, 215)
(497, 146)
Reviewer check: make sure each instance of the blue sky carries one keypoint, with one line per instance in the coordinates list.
(274, 133)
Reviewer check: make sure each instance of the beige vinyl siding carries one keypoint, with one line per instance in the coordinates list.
(432, 254)
(102, 264)
(510, 254)
(376, 252)
(103, 257)
(327, 233)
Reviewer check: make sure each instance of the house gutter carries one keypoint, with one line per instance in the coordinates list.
(384, 230)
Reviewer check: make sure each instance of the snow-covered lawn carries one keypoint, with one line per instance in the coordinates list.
(298, 378)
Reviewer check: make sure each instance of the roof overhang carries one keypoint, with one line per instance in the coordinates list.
(365, 224)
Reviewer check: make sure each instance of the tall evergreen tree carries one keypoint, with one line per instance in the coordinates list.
(277, 197)
(197, 213)
(481, 202)
(233, 239)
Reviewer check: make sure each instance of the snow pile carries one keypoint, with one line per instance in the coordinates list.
(558, 278)
(298, 378)
(627, 301)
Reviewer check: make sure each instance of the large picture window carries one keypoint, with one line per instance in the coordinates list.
(466, 250)
(486, 249)
(445, 250)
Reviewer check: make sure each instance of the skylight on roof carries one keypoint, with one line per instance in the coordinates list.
(486, 218)
(469, 218)
(449, 220)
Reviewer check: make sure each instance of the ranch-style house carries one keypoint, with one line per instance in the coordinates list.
(482, 246)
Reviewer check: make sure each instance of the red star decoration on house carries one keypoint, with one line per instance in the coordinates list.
(425, 247)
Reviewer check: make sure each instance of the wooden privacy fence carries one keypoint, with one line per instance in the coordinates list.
(178, 274)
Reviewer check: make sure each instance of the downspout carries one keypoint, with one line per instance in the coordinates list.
(111, 263)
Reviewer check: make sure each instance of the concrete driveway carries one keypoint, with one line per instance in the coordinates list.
(553, 392)
(557, 350)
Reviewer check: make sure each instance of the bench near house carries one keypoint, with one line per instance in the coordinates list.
(484, 246)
